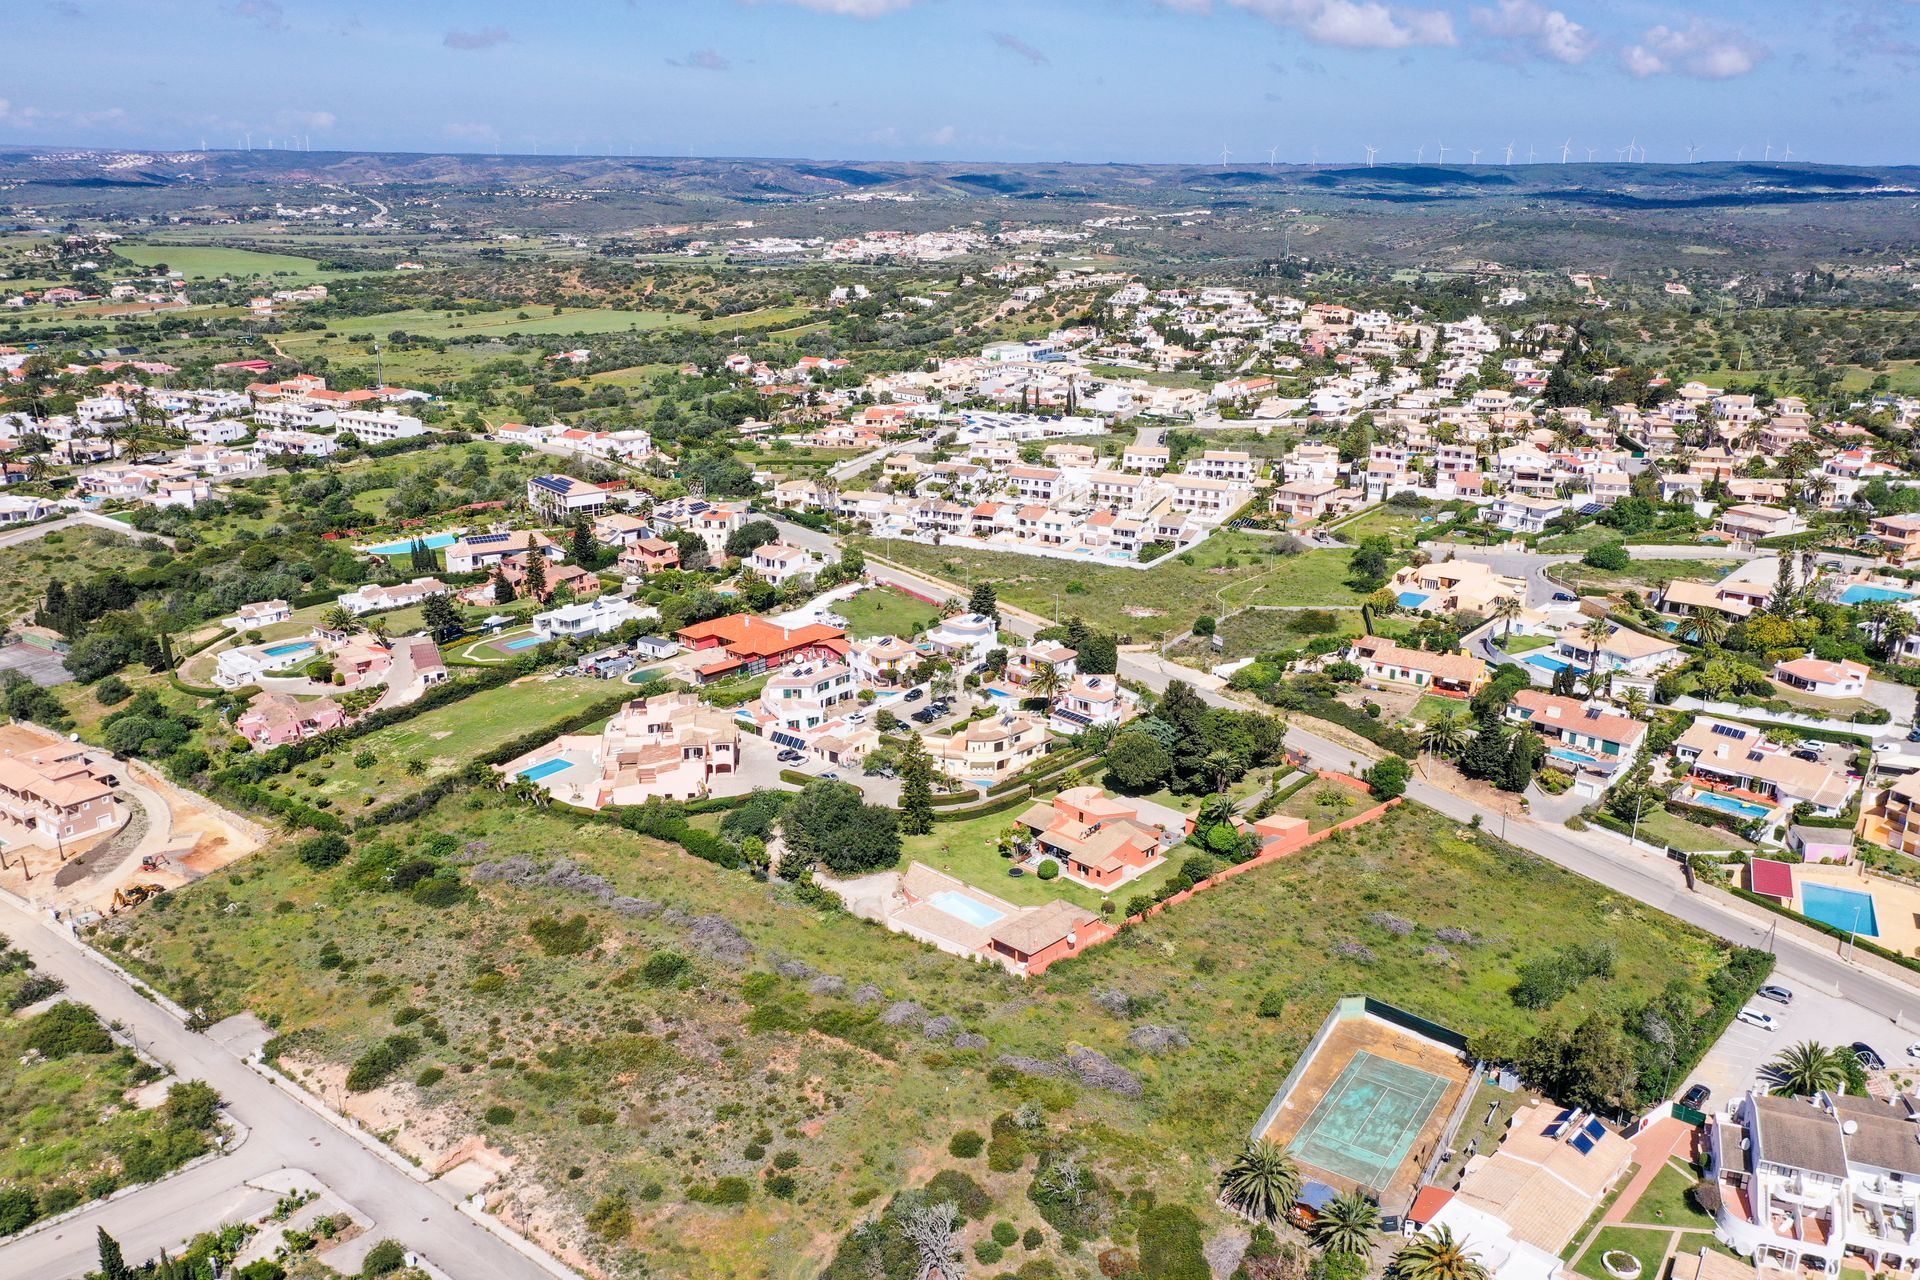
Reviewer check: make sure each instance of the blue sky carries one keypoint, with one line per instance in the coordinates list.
(1082, 80)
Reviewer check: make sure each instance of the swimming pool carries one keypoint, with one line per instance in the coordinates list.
(433, 542)
(524, 642)
(1411, 599)
(961, 907)
(1728, 804)
(1575, 757)
(1842, 908)
(1859, 593)
(293, 646)
(1547, 662)
(546, 769)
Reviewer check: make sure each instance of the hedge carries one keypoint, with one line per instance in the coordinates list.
(1871, 948)
(983, 810)
(797, 778)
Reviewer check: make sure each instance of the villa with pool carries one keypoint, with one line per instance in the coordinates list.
(670, 747)
(1737, 769)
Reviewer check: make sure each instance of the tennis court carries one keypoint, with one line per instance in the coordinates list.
(1364, 1126)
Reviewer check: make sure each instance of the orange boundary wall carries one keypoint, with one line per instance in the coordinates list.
(1102, 931)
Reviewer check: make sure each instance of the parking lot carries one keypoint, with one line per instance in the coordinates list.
(1737, 1061)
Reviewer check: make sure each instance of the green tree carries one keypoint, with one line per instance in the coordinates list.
(1261, 1182)
(535, 582)
(1137, 762)
(1607, 555)
(502, 589)
(586, 548)
(984, 601)
(1436, 1255)
(113, 1266)
(442, 617)
(916, 787)
(1388, 778)
(828, 823)
(1806, 1069)
(1346, 1225)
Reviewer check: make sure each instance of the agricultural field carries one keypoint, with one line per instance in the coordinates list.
(417, 751)
(207, 262)
(1226, 572)
(639, 1030)
(882, 611)
(537, 321)
(69, 554)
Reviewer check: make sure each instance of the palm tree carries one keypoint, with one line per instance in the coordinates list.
(1635, 702)
(1708, 628)
(1262, 1182)
(1506, 610)
(1447, 733)
(1808, 1068)
(1346, 1225)
(339, 618)
(1437, 1256)
(1045, 681)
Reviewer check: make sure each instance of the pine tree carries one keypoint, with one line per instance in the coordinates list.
(536, 581)
(916, 788)
(585, 548)
(502, 589)
(984, 601)
(112, 1265)
(441, 617)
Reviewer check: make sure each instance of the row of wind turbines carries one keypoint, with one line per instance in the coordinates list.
(1631, 153)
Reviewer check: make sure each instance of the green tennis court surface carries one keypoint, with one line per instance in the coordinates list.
(1367, 1122)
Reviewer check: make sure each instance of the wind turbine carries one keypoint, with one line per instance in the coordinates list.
(1633, 145)
(1370, 151)
(1420, 154)
(1509, 153)
(1739, 153)
(1529, 154)
(1270, 155)
(1788, 153)
(1769, 150)
(1692, 150)
(1443, 153)
(1224, 153)
(1565, 148)
(1474, 155)
(1591, 153)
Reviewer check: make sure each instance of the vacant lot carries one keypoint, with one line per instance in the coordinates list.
(417, 751)
(697, 1025)
(1641, 574)
(71, 555)
(882, 611)
(1252, 632)
(1226, 572)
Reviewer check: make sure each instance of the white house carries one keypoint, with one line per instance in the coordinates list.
(780, 563)
(374, 598)
(592, 618)
(261, 613)
(965, 637)
(273, 443)
(1823, 679)
(217, 430)
(378, 426)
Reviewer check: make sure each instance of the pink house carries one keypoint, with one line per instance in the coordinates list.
(1097, 839)
(274, 719)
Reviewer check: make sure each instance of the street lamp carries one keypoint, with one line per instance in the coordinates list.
(1641, 800)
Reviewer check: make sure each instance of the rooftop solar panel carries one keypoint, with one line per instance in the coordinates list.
(1582, 1143)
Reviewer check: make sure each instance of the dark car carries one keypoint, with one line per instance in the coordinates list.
(1566, 597)
(1775, 992)
(1807, 753)
(914, 695)
(1696, 1097)
(1869, 1059)
(1913, 734)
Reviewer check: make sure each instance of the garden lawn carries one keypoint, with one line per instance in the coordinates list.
(966, 849)
(440, 740)
(650, 1088)
(1666, 1203)
(882, 611)
(1657, 826)
(1648, 1245)
(1141, 603)
(1517, 644)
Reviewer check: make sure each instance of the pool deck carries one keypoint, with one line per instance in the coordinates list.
(1896, 904)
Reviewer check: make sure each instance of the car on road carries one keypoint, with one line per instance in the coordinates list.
(1566, 597)
(830, 776)
(927, 716)
(1760, 1019)
(1696, 1097)
(1778, 993)
(1913, 734)
(1913, 1050)
(1869, 1058)
(914, 695)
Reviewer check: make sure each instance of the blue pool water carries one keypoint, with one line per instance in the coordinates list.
(524, 642)
(1841, 908)
(1728, 804)
(961, 907)
(292, 646)
(1547, 662)
(1861, 594)
(546, 769)
(1411, 599)
(433, 541)
(1563, 753)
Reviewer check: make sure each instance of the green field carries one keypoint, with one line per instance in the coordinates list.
(440, 740)
(1641, 574)
(1657, 826)
(532, 320)
(69, 554)
(1255, 631)
(1649, 1246)
(882, 611)
(1325, 803)
(619, 1083)
(206, 262)
(1145, 604)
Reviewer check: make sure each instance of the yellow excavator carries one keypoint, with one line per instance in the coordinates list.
(135, 894)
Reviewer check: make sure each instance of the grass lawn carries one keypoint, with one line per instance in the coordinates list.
(1517, 644)
(1641, 574)
(1657, 826)
(1391, 521)
(439, 740)
(1135, 602)
(882, 611)
(71, 555)
(205, 262)
(1667, 1204)
(1431, 706)
(1650, 1246)
(621, 1083)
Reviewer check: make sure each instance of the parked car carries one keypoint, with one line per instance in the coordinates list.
(1869, 1059)
(1807, 753)
(1566, 597)
(1779, 993)
(830, 776)
(790, 756)
(1913, 1050)
(1755, 1018)
(914, 695)
(1913, 734)
(1696, 1097)
(858, 717)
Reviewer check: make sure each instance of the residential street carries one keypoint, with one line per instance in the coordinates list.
(288, 1131)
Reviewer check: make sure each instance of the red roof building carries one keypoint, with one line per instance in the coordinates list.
(1771, 879)
(748, 645)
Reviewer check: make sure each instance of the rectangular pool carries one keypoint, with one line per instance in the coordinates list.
(1842, 908)
(1729, 804)
(433, 542)
(1860, 593)
(961, 907)
(524, 642)
(546, 769)
(282, 650)
(1547, 662)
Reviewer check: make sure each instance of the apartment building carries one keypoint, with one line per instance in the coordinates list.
(1224, 464)
(378, 426)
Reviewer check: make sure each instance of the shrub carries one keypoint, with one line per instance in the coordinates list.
(68, 1028)
(1005, 1233)
(1272, 1005)
(498, 1114)
(987, 1252)
(430, 1077)
(1170, 1245)
(1048, 869)
(967, 1195)
(664, 967)
(1032, 1238)
(785, 1160)
(383, 1259)
(723, 1191)
(371, 1069)
(611, 1218)
(563, 938)
(966, 1144)
(782, 1186)
(323, 852)
(1607, 555)
(112, 690)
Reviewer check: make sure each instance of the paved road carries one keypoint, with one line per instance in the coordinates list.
(286, 1132)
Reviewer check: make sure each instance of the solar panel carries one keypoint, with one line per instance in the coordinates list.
(1728, 731)
(1594, 1129)
(487, 539)
(1582, 1143)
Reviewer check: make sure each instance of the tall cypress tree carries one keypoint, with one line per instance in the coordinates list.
(112, 1265)
(536, 583)
(916, 788)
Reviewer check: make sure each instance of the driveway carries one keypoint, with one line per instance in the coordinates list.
(1737, 1059)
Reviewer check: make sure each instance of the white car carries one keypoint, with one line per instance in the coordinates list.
(1756, 1018)
(1913, 1050)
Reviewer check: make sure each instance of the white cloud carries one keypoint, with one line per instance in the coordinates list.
(702, 60)
(1697, 49)
(1346, 24)
(852, 8)
(23, 116)
(1549, 32)
(943, 136)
